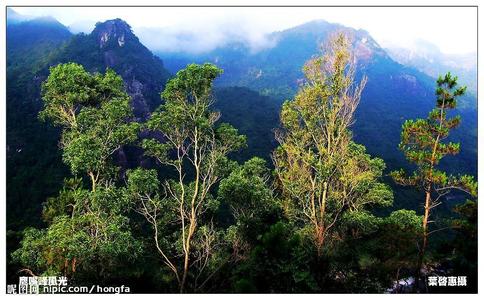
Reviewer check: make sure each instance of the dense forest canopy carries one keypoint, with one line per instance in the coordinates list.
(196, 182)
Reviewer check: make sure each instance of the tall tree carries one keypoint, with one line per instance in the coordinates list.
(88, 228)
(196, 148)
(323, 174)
(423, 143)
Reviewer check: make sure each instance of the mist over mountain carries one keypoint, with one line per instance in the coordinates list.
(29, 40)
(394, 91)
(427, 58)
(260, 73)
(14, 17)
(205, 39)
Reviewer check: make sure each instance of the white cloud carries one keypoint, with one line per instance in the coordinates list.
(452, 29)
(203, 35)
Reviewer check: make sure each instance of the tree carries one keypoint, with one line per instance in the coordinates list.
(88, 229)
(252, 206)
(464, 245)
(196, 148)
(322, 173)
(248, 192)
(423, 143)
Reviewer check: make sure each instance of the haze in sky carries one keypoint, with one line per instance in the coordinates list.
(199, 29)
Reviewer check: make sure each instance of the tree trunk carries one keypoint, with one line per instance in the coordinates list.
(93, 181)
(321, 229)
(191, 230)
(423, 247)
(320, 240)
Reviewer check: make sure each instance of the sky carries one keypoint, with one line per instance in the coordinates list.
(198, 29)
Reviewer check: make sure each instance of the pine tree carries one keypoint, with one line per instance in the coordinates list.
(423, 143)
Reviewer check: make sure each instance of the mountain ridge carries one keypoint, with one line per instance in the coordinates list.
(394, 92)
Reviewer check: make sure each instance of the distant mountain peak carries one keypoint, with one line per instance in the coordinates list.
(112, 32)
(318, 31)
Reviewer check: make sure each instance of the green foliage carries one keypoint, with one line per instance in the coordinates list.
(281, 254)
(252, 205)
(94, 111)
(88, 234)
(460, 252)
(185, 117)
(101, 132)
(322, 173)
(381, 248)
(69, 86)
(65, 202)
(361, 222)
(28, 254)
(242, 235)
(196, 147)
(276, 72)
(142, 181)
(422, 141)
(246, 190)
(404, 220)
(464, 244)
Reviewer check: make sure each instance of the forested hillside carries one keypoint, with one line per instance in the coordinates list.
(33, 158)
(283, 170)
(394, 92)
